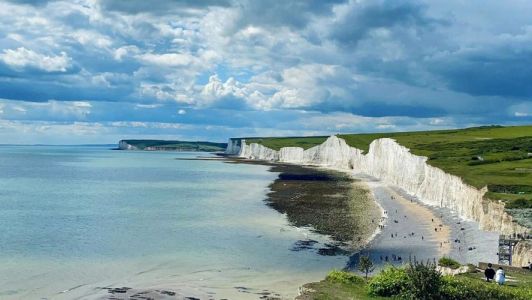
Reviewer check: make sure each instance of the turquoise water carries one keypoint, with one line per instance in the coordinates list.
(75, 219)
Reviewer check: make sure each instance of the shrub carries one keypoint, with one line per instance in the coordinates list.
(344, 277)
(365, 265)
(461, 288)
(519, 203)
(423, 282)
(389, 282)
(448, 262)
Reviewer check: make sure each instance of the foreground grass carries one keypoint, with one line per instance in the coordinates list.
(493, 156)
(334, 287)
(330, 290)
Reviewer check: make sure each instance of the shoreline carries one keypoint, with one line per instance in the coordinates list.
(310, 189)
(439, 231)
(377, 243)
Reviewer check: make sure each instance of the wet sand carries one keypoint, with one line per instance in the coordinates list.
(409, 231)
(330, 202)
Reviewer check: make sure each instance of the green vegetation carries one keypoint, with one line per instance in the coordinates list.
(365, 265)
(418, 281)
(448, 262)
(277, 143)
(464, 287)
(176, 145)
(424, 281)
(493, 156)
(344, 277)
(390, 281)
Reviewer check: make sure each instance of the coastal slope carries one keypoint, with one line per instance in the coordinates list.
(394, 164)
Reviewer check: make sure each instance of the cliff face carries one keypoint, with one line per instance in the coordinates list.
(233, 147)
(123, 145)
(394, 164)
(522, 254)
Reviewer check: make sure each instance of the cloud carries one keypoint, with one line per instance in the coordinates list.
(360, 19)
(22, 58)
(167, 59)
(500, 67)
(158, 6)
(294, 14)
(265, 67)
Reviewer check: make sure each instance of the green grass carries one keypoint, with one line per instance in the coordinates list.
(448, 262)
(503, 151)
(515, 279)
(327, 290)
(336, 287)
(280, 142)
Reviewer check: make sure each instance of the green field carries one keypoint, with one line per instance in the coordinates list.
(176, 145)
(493, 156)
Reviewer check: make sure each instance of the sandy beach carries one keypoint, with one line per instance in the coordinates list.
(412, 230)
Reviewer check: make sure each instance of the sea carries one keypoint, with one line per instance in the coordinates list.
(78, 221)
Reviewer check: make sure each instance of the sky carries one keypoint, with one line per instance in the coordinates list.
(96, 71)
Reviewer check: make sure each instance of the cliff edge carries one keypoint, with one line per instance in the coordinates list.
(394, 164)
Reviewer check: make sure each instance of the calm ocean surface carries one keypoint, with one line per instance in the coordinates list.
(75, 219)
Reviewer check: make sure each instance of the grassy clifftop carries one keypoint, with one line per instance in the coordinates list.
(494, 156)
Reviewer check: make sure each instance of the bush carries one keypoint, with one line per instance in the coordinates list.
(389, 282)
(461, 288)
(448, 262)
(365, 265)
(344, 277)
(520, 203)
(423, 282)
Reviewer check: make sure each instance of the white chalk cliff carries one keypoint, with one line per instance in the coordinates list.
(394, 164)
(123, 145)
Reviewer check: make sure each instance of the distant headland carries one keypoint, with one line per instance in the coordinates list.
(170, 145)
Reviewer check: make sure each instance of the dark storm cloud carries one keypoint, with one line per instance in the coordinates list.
(158, 6)
(294, 14)
(44, 90)
(369, 15)
(504, 71)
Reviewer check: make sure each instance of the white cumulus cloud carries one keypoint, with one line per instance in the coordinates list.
(21, 58)
(167, 59)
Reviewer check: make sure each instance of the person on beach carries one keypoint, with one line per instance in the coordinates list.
(489, 273)
(500, 277)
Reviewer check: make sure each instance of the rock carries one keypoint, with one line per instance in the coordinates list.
(452, 272)
(169, 293)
